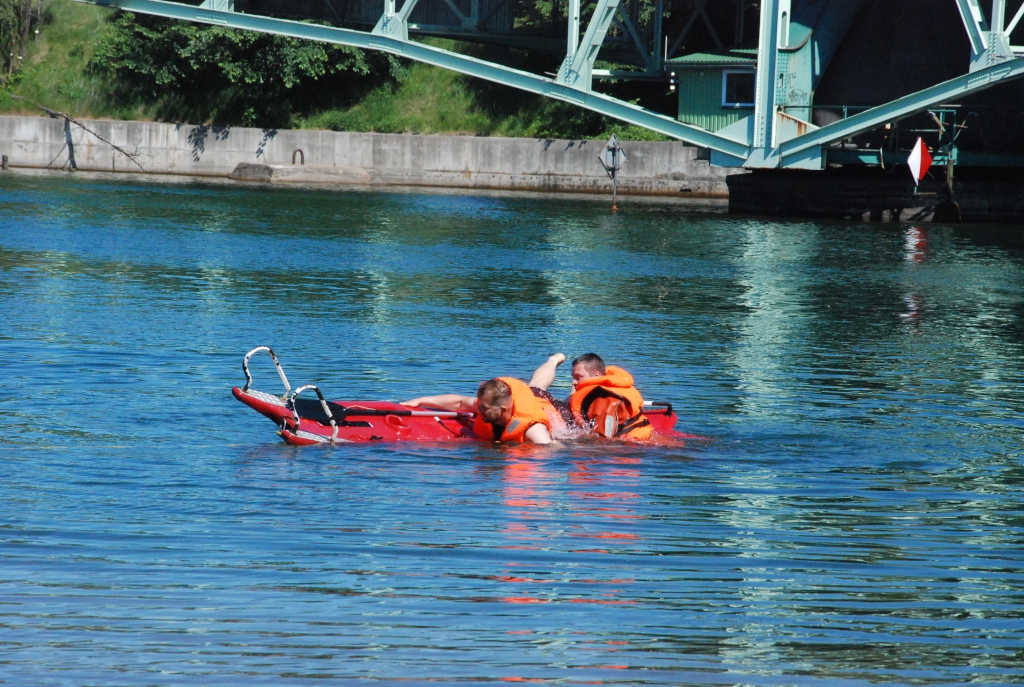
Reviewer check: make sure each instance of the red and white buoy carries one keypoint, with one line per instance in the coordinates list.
(920, 161)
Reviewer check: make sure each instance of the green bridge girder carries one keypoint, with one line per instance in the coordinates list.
(796, 42)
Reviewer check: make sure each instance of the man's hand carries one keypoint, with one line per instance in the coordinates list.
(414, 403)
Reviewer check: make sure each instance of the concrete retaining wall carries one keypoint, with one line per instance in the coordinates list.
(653, 168)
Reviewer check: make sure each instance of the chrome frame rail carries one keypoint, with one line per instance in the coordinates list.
(323, 403)
(280, 370)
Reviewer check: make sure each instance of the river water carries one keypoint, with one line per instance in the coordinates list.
(855, 516)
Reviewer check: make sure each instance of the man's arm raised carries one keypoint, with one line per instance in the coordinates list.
(452, 402)
(544, 375)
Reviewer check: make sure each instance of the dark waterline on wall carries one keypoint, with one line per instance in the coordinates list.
(855, 517)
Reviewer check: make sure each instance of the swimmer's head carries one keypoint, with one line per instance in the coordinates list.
(494, 402)
(587, 366)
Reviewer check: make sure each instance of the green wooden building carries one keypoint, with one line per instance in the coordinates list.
(715, 88)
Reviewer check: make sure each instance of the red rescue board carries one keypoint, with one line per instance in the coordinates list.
(384, 426)
(353, 427)
(321, 421)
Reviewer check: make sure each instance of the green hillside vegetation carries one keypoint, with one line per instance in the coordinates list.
(94, 62)
(429, 100)
(54, 69)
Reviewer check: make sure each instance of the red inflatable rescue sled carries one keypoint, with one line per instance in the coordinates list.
(307, 421)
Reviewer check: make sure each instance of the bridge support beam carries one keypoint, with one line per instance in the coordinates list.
(769, 92)
(395, 24)
(905, 107)
(577, 68)
(767, 74)
(463, 64)
(573, 42)
(219, 5)
(768, 139)
(990, 44)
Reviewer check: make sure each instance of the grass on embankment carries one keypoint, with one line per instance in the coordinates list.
(429, 100)
(426, 101)
(54, 69)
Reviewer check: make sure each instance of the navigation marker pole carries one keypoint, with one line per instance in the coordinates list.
(611, 159)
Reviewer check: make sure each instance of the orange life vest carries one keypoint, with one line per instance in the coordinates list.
(527, 411)
(611, 405)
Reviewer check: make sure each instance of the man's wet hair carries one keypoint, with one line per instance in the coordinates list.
(493, 393)
(591, 362)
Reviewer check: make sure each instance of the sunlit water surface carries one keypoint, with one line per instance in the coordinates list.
(855, 518)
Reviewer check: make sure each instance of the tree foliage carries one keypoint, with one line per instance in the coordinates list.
(176, 71)
(11, 15)
(8, 20)
(224, 76)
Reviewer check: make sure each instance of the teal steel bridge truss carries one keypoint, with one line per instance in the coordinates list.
(797, 39)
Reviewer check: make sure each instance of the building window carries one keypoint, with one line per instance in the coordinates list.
(738, 88)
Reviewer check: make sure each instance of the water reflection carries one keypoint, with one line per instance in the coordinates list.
(774, 264)
(915, 252)
(915, 245)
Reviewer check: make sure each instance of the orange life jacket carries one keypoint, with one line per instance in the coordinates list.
(527, 411)
(611, 405)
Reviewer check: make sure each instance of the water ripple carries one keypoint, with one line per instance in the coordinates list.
(853, 519)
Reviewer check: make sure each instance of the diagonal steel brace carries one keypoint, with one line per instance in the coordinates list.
(395, 24)
(577, 69)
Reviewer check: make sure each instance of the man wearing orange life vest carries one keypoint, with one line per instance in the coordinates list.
(604, 398)
(506, 409)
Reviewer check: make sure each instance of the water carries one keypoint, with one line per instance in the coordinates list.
(855, 518)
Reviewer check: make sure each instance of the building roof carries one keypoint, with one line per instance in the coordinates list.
(729, 57)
